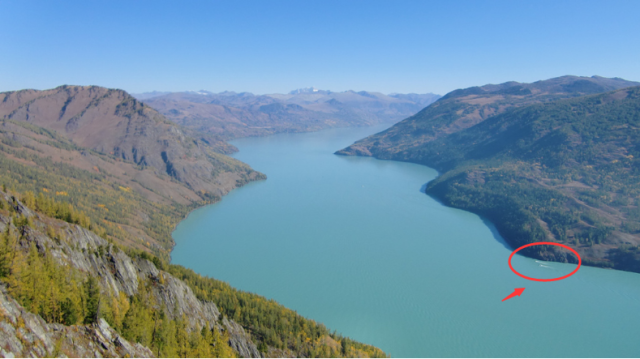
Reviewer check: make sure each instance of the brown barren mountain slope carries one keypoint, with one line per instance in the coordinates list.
(112, 122)
(126, 166)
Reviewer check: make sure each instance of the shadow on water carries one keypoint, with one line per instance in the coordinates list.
(423, 189)
(496, 234)
(491, 226)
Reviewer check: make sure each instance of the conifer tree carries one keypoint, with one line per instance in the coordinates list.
(92, 304)
(182, 337)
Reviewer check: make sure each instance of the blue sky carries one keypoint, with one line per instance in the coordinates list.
(269, 46)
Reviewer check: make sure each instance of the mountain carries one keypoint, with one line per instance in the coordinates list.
(114, 123)
(308, 90)
(131, 171)
(229, 115)
(561, 170)
(461, 109)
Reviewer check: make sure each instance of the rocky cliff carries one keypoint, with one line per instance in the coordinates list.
(24, 334)
(27, 334)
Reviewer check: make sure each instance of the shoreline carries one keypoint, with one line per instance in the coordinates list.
(259, 177)
(486, 218)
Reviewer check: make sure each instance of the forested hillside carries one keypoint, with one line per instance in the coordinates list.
(563, 171)
(464, 108)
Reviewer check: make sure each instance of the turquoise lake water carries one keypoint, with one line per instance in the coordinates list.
(355, 243)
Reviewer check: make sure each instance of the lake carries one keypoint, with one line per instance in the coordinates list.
(356, 244)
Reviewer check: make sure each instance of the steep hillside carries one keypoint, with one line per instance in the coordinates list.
(461, 109)
(27, 335)
(112, 122)
(230, 115)
(563, 171)
(66, 291)
(132, 172)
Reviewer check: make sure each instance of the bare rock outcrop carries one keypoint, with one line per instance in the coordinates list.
(24, 334)
(118, 272)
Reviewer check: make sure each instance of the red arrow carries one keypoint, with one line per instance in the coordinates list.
(517, 292)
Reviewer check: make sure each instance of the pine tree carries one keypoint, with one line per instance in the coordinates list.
(165, 340)
(92, 304)
(182, 337)
(70, 312)
(120, 307)
(56, 286)
(35, 281)
(5, 252)
(221, 344)
(199, 347)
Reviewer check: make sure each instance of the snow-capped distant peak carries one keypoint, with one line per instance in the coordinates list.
(304, 90)
(201, 92)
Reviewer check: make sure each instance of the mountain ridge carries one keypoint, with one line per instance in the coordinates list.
(464, 108)
(114, 123)
(231, 115)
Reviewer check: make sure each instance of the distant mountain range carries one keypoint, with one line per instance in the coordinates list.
(229, 115)
(555, 160)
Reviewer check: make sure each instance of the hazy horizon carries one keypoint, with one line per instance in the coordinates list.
(285, 92)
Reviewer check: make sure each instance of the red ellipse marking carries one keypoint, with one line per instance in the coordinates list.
(550, 244)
